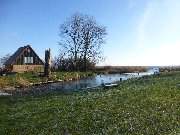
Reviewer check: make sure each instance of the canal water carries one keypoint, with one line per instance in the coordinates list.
(99, 80)
(82, 84)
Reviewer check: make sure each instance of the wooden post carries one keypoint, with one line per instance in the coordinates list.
(47, 67)
(1, 72)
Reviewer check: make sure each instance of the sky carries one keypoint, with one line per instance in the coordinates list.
(140, 32)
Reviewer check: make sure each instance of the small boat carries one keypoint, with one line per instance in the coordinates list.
(108, 85)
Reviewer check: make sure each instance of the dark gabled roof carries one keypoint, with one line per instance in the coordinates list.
(17, 53)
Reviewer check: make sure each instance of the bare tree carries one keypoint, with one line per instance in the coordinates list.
(70, 33)
(93, 37)
(4, 59)
(81, 40)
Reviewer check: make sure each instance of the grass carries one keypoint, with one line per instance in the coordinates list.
(146, 106)
(25, 79)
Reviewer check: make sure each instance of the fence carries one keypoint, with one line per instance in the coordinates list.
(27, 68)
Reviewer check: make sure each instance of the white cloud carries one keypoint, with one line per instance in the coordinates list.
(157, 39)
(158, 34)
(141, 29)
(159, 23)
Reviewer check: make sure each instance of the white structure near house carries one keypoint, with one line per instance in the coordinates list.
(154, 70)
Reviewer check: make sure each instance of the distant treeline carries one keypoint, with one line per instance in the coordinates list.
(169, 68)
(130, 69)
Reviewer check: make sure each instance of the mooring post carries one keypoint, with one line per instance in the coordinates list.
(47, 66)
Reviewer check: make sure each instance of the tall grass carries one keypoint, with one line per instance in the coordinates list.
(120, 69)
(25, 79)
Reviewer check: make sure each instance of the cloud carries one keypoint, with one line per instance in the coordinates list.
(158, 23)
(158, 34)
(157, 39)
(144, 20)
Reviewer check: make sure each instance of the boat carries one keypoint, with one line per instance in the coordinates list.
(108, 85)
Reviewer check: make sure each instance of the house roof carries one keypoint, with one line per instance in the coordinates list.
(17, 53)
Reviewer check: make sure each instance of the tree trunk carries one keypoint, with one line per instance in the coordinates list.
(85, 61)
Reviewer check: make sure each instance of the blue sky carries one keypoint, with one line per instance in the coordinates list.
(140, 32)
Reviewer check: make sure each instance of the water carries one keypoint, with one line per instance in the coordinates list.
(90, 82)
(82, 84)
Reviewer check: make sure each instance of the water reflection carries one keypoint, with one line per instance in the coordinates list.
(95, 81)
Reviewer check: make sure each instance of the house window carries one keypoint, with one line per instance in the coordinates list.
(28, 60)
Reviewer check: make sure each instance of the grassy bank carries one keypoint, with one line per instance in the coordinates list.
(148, 106)
(26, 79)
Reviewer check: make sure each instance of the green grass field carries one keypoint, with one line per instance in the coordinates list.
(146, 106)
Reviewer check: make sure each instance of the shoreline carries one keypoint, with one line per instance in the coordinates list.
(30, 79)
(60, 85)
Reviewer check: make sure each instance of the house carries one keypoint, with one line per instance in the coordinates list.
(23, 60)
